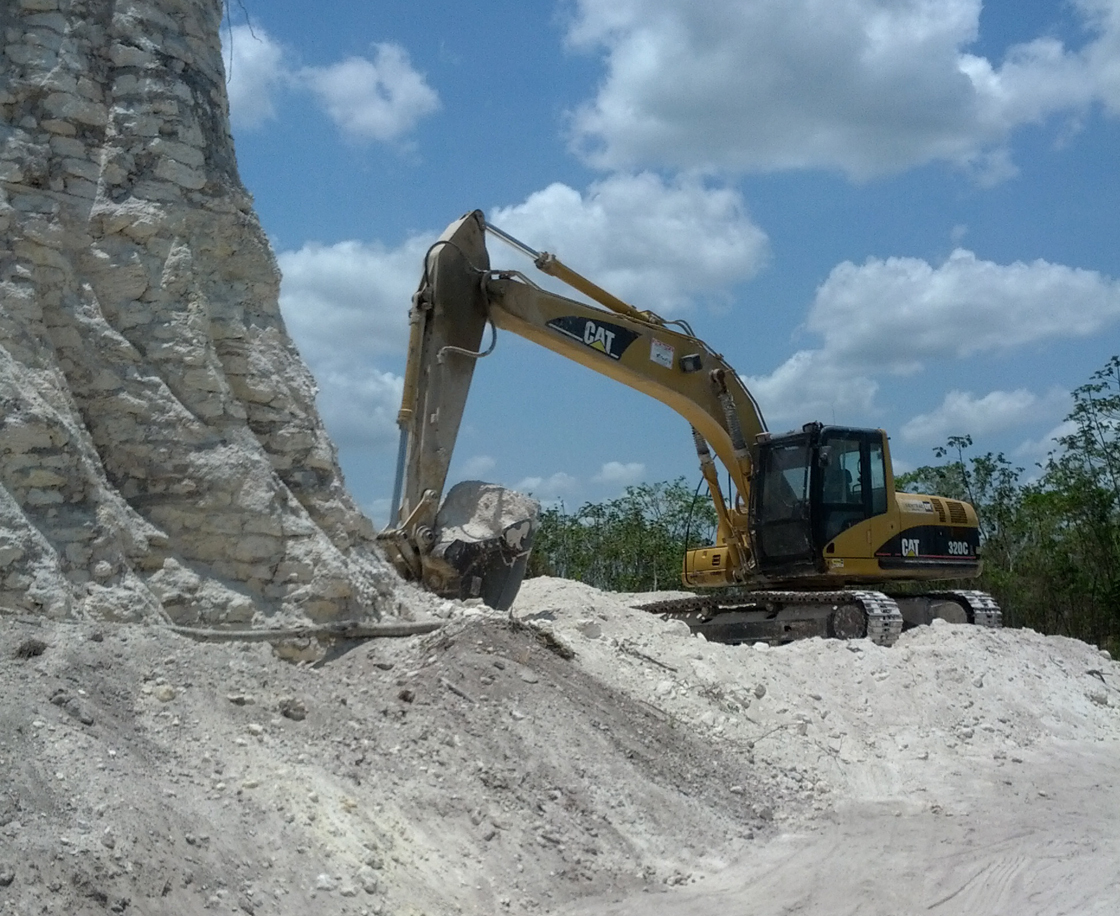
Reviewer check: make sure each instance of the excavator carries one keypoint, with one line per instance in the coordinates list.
(812, 539)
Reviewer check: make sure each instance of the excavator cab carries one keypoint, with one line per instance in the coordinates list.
(810, 486)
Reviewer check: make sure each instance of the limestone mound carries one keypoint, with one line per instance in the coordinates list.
(160, 450)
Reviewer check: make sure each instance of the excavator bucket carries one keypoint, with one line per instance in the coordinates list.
(484, 533)
(477, 543)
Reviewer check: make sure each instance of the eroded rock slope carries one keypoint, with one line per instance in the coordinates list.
(160, 451)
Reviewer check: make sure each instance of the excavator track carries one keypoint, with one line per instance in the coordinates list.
(780, 616)
(957, 606)
(982, 608)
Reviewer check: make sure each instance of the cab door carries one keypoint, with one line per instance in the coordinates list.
(852, 481)
(781, 499)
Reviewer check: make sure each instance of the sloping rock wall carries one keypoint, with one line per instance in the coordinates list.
(160, 451)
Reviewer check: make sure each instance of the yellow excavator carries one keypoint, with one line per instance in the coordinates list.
(813, 534)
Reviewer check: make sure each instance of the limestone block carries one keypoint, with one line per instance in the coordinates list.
(123, 55)
(180, 152)
(54, 21)
(69, 107)
(120, 278)
(157, 191)
(172, 170)
(60, 81)
(83, 168)
(124, 84)
(43, 38)
(38, 498)
(33, 57)
(66, 146)
(40, 477)
(24, 437)
(79, 187)
(55, 126)
(38, 5)
(9, 554)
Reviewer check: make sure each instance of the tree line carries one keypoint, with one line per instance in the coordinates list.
(1050, 537)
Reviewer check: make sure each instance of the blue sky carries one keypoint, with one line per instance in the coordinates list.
(896, 213)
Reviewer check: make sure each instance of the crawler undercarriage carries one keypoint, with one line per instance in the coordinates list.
(784, 616)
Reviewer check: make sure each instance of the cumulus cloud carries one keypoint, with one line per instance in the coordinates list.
(350, 298)
(620, 474)
(895, 316)
(902, 312)
(381, 99)
(659, 245)
(1036, 450)
(963, 413)
(811, 384)
(256, 69)
(477, 466)
(548, 490)
(865, 87)
(359, 404)
(346, 307)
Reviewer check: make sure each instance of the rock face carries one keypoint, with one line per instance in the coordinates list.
(160, 451)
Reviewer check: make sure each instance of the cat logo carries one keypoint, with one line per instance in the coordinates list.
(607, 338)
(911, 547)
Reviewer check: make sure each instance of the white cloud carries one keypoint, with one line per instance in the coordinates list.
(1036, 450)
(346, 307)
(901, 312)
(896, 315)
(359, 405)
(381, 100)
(962, 413)
(256, 69)
(619, 474)
(477, 466)
(660, 246)
(1103, 55)
(548, 490)
(863, 86)
(349, 301)
(811, 385)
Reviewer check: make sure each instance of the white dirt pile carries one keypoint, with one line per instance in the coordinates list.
(579, 757)
(160, 451)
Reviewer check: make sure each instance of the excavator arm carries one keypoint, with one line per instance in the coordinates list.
(459, 296)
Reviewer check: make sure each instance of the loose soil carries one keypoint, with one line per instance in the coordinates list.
(575, 756)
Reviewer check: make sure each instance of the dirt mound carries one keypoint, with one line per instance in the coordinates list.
(573, 759)
(476, 767)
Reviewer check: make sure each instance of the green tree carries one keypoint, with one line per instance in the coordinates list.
(1083, 478)
(1051, 546)
(633, 543)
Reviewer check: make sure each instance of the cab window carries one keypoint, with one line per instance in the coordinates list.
(853, 481)
(878, 468)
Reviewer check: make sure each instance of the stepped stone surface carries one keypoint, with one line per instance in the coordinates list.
(160, 451)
